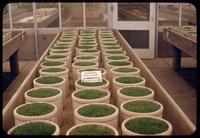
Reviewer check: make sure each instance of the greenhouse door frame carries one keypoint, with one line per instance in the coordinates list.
(147, 53)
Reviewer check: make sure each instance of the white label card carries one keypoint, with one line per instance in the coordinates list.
(91, 76)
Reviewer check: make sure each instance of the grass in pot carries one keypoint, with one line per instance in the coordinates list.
(140, 107)
(102, 85)
(92, 129)
(133, 93)
(35, 111)
(98, 112)
(37, 127)
(50, 64)
(147, 126)
(90, 95)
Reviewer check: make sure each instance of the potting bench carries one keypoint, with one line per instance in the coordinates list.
(180, 42)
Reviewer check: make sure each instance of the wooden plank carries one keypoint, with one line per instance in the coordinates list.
(182, 125)
(12, 45)
(180, 41)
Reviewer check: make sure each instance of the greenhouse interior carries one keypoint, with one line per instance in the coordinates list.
(99, 68)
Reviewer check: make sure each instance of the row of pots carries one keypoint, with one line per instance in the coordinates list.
(44, 103)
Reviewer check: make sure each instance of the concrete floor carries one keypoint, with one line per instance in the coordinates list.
(183, 93)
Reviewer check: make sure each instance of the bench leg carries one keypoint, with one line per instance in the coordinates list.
(14, 65)
(176, 65)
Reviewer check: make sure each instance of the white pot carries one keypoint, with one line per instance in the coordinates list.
(62, 64)
(65, 59)
(94, 59)
(114, 73)
(116, 85)
(54, 49)
(99, 124)
(105, 54)
(90, 53)
(76, 101)
(60, 85)
(109, 119)
(66, 53)
(76, 67)
(91, 48)
(124, 114)
(57, 100)
(107, 59)
(122, 98)
(63, 74)
(103, 75)
(52, 116)
(109, 67)
(105, 86)
(126, 131)
(56, 132)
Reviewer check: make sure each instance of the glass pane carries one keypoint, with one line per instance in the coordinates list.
(96, 14)
(6, 23)
(168, 14)
(72, 14)
(22, 15)
(47, 15)
(136, 39)
(133, 11)
(188, 14)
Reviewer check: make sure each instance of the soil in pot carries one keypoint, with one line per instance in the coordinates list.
(92, 84)
(128, 80)
(141, 106)
(146, 125)
(34, 128)
(90, 94)
(92, 129)
(95, 110)
(43, 92)
(135, 91)
(49, 80)
(35, 109)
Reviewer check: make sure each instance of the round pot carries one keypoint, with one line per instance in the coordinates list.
(55, 97)
(110, 65)
(87, 95)
(124, 71)
(133, 93)
(92, 126)
(91, 85)
(20, 118)
(75, 67)
(92, 69)
(85, 48)
(126, 81)
(111, 119)
(59, 58)
(105, 54)
(63, 52)
(86, 58)
(60, 71)
(126, 131)
(89, 52)
(116, 58)
(60, 85)
(24, 125)
(50, 64)
(145, 108)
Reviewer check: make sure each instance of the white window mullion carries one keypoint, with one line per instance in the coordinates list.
(10, 17)
(180, 15)
(60, 15)
(35, 29)
(84, 15)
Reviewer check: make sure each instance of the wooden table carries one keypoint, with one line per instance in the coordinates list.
(11, 48)
(179, 42)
